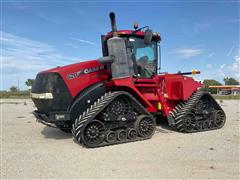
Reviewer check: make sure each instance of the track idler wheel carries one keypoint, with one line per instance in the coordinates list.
(145, 126)
(220, 118)
(93, 133)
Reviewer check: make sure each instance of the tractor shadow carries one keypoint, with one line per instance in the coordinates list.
(163, 127)
(54, 133)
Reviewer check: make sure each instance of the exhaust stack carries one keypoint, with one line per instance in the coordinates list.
(120, 59)
(113, 24)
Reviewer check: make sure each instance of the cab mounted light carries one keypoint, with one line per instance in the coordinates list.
(194, 71)
(135, 25)
(157, 35)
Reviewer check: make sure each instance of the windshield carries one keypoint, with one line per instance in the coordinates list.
(145, 56)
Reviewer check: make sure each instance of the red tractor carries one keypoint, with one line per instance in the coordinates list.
(118, 97)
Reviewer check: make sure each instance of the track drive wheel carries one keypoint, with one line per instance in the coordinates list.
(145, 126)
(220, 118)
(93, 133)
(119, 107)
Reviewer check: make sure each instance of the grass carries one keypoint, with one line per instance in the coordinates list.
(14, 95)
(226, 97)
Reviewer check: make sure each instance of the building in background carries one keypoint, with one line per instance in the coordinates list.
(227, 90)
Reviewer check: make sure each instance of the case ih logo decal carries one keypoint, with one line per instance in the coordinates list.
(84, 71)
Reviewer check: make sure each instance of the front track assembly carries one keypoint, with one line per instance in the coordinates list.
(113, 119)
(200, 113)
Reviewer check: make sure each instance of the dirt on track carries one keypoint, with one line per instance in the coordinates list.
(32, 150)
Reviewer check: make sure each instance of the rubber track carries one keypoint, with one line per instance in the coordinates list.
(96, 109)
(178, 114)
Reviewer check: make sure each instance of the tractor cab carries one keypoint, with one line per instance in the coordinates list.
(135, 52)
(145, 56)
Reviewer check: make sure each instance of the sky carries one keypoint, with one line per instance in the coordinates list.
(39, 35)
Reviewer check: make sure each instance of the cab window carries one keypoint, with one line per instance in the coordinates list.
(145, 56)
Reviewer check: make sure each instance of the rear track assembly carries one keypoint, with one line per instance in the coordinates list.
(200, 113)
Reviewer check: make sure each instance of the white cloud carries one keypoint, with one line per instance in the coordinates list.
(84, 41)
(28, 55)
(218, 72)
(24, 57)
(187, 53)
(231, 70)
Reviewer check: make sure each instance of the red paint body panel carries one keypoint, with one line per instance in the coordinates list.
(167, 89)
(130, 33)
(124, 32)
(180, 87)
(76, 85)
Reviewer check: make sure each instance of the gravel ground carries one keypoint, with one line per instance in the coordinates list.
(32, 150)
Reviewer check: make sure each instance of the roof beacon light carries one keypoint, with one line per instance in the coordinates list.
(135, 25)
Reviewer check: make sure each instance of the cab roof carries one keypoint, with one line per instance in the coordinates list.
(156, 36)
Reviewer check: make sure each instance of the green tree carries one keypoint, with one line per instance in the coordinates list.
(29, 82)
(230, 81)
(13, 89)
(211, 82)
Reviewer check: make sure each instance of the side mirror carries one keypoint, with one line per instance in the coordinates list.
(148, 36)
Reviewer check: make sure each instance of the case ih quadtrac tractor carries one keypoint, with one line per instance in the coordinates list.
(118, 97)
